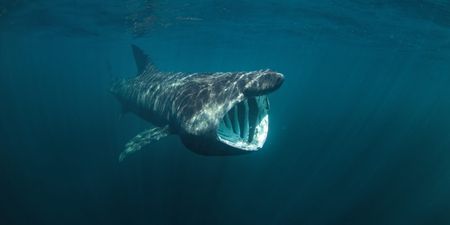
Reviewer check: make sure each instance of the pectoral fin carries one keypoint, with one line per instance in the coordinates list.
(144, 138)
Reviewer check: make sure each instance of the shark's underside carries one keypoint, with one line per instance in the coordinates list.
(219, 113)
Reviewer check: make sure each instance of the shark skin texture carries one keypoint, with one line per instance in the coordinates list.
(221, 113)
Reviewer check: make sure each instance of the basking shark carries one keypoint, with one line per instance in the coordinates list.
(222, 113)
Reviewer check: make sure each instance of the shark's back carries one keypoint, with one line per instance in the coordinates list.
(144, 96)
(181, 100)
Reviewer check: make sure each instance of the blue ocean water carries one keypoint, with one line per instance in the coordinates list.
(359, 132)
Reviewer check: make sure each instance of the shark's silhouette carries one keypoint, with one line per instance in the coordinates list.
(221, 113)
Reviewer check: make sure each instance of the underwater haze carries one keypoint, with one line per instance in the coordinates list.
(359, 131)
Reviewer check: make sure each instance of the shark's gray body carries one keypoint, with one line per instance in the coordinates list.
(214, 113)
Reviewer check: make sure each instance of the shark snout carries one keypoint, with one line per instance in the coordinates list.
(277, 79)
(263, 83)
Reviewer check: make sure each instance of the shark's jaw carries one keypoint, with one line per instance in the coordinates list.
(246, 124)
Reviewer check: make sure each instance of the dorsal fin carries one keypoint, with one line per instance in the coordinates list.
(143, 62)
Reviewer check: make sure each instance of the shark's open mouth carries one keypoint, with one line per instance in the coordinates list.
(245, 126)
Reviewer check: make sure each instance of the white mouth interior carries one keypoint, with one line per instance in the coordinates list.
(246, 125)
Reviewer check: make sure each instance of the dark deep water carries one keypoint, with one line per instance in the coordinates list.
(360, 130)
